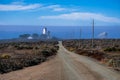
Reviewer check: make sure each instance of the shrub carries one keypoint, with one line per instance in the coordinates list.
(54, 51)
(111, 49)
(5, 56)
(71, 49)
(21, 60)
(57, 47)
(45, 53)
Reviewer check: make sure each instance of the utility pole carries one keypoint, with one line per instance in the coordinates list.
(80, 39)
(93, 34)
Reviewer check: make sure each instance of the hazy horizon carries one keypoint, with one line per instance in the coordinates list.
(65, 32)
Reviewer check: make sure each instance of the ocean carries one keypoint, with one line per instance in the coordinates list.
(64, 32)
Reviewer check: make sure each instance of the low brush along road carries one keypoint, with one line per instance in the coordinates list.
(64, 66)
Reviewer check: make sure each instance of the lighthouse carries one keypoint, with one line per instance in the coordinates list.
(44, 31)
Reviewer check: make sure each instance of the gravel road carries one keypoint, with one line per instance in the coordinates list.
(64, 66)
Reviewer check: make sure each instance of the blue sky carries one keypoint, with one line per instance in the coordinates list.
(60, 12)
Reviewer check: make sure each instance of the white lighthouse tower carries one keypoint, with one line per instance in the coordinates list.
(44, 31)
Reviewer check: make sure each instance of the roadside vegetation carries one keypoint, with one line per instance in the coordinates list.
(18, 55)
(107, 51)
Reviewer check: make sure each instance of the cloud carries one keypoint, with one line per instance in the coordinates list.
(59, 9)
(52, 6)
(17, 7)
(55, 8)
(83, 16)
(103, 35)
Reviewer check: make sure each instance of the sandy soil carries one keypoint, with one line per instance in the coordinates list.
(64, 66)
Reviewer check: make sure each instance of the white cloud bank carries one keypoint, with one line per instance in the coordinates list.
(14, 7)
(103, 35)
(83, 16)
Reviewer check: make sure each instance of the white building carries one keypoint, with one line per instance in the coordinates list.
(30, 37)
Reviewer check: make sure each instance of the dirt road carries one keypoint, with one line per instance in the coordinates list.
(65, 66)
